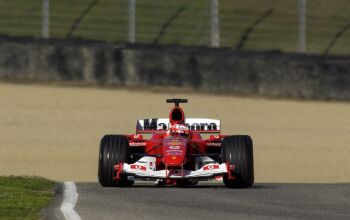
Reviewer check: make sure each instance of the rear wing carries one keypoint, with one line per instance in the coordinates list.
(161, 125)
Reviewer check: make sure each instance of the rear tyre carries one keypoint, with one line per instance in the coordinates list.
(238, 150)
(113, 149)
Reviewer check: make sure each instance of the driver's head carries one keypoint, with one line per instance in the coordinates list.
(179, 129)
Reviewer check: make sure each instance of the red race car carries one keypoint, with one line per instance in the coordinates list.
(176, 153)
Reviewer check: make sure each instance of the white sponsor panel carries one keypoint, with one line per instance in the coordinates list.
(137, 144)
(202, 124)
(174, 147)
(214, 144)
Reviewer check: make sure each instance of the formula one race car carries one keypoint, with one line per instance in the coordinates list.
(176, 153)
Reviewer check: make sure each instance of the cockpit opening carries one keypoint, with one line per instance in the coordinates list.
(177, 115)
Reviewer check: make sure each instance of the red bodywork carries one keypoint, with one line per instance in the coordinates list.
(176, 147)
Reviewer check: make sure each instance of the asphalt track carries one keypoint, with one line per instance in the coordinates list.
(209, 201)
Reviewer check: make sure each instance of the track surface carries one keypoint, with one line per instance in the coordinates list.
(214, 201)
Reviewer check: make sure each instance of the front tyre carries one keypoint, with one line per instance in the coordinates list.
(238, 150)
(113, 149)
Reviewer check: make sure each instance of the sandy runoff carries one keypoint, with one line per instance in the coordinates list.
(54, 132)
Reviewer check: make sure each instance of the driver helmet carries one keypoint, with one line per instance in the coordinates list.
(179, 129)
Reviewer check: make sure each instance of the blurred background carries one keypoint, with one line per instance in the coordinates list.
(307, 26)
(72, 71)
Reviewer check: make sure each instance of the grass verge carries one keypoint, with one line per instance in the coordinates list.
(24, 197)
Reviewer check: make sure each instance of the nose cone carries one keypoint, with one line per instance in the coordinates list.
(174, 154)
(174, 160)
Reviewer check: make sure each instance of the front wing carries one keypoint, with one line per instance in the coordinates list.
(146, 169)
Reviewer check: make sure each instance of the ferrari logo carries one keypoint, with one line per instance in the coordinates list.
(174, 157)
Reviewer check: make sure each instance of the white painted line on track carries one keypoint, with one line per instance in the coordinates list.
(69, 200)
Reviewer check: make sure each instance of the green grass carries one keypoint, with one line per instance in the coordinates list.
(107, 21)
(24, 197)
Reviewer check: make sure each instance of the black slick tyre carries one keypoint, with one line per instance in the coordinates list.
(113, 150)
(238, 151)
